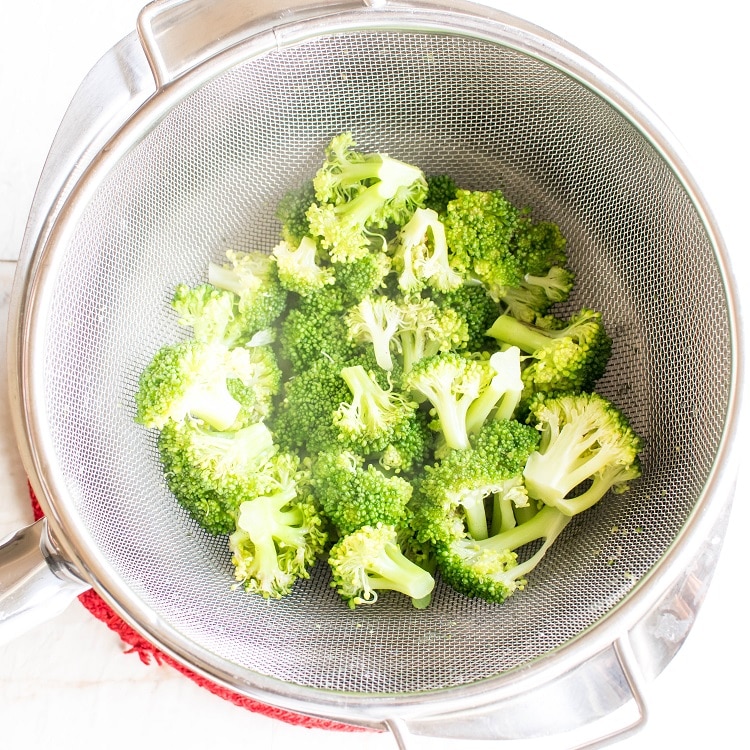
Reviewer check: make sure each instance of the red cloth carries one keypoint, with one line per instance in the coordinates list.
(147, 652)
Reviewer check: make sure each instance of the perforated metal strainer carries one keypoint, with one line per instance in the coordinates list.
(196, 166)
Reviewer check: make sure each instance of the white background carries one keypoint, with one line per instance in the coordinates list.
(68, 683)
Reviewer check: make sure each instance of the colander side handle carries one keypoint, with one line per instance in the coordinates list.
(515, 721)
(177, 35)
(36, 583)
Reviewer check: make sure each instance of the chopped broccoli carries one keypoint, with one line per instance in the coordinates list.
(489, 568)
(210, 471)
(291, 211)
(454, 496)
(476, 307)
(538, 246)
(254, 279)
(441, 190)
(279, 535)
(584, 439)
(353, 493)
(420, 255)
(211, 313)
(370, 560)
(298, 268)
(479, 228)
(362, 277)
(535, 295)
(375, 320)
(564, 359)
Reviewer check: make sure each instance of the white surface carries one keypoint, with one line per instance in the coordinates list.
(68, 683)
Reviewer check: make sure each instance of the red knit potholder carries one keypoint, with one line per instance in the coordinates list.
(147, 651)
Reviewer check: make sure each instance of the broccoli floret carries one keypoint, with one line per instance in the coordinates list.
(291, 211)
(477, 308)
(353, 493)
(362, 277)
(427, 328)
(535, 295)
(279, 534)
(191, 378)
(510, 505)
(480, 229)
(209, 471)
(253, 277)
(359, 194)
(370, 560)
(375, 320)
(567, 359)
(489, 568)
(315, 328)
(454, 497)
(420, 255)
(585, 439)
(441, 190)
(257, 384)
(538, 246)
(298, 267)
(303, 420)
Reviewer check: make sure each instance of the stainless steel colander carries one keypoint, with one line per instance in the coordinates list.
(161, 179)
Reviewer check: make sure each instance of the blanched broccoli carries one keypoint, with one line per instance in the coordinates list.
(362, 277)
(298, 268)
(538, 246)
(454, 497)
(354, 493)
(210, 471)
(291, 211)
(211, 313)
(490, 568)
(279, 534)
(254, 279)
(420, 255)
(370, 560)
(566, 359)
(531, 300)
(584, 439)
(375, 321)
(441, 190)
(473, 303)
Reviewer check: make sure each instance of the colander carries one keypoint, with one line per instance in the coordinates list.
(177, 147)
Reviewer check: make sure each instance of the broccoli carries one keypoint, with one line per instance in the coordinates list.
(279, 534)
(480, 227)
(535, 295)
(359, 194)
(209, 471)
(538, 246)
(191, 378)
(354, 493)
(563, 359)
(211, 313)
(254, 279)
(489, 568)
(420, 255)
(291, 211)
(587, 447)
(441, 190)
(298, 268)
(454, 496)
(375, 320)
(362, 277)
(370, 560)
(476, 307)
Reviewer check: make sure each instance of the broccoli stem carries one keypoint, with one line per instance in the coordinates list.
(215, 406)
(475, 514)
(392, 173)
(503, 514)
(509, 330)
(546, 524)
(394, 571)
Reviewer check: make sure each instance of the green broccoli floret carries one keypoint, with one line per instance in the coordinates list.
(190, 379)
(279, 534)
(534, 296)
(303, 419)
(370, 560)
(211, 313)
(587, 447)
(210, 472)
(420, 255)
(298, 267)
(353, 493)
(359, 196)
(427, 328)
(257, 384)
(454, 497)
(476, 307)
(291, 211)
(480, 229)
(315, 327)
(441, 190)
(538, 246)
(567, 359)
(375, 321)
(254, 279)
(489, 568)
(362, 277)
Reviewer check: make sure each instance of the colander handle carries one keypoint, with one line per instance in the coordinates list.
(177, 35)
(36, 583)
(516, 721)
